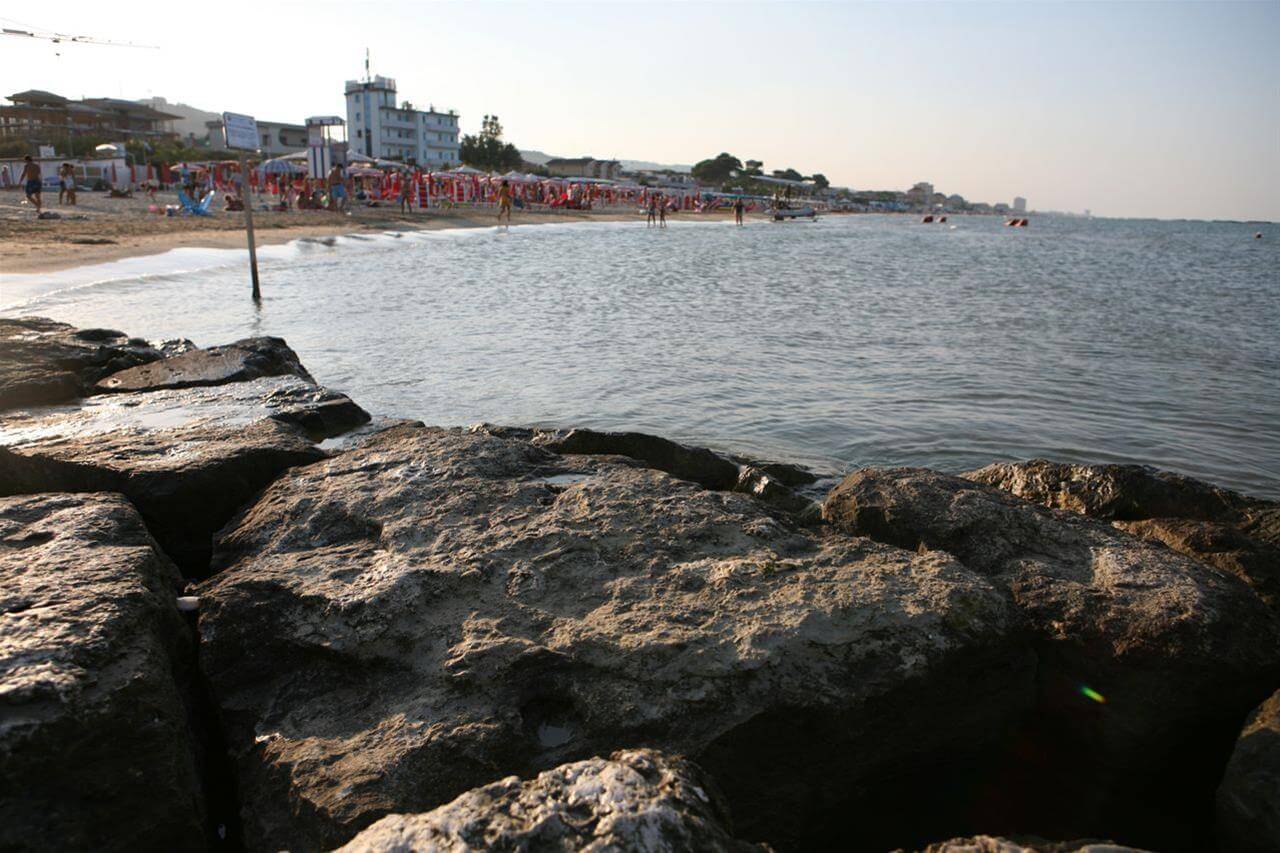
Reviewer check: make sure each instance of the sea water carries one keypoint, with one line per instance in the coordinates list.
(855, 340)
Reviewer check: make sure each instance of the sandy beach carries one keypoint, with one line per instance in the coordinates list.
(99, 229)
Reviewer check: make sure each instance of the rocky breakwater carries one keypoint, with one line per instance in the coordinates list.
(107, 738)
(1148, 659)
(188, 438)
(447, 607)
(504, 638)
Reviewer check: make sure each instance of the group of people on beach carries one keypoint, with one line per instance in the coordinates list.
(33, 184)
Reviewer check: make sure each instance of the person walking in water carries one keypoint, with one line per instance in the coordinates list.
(738, 209)
(31, 181)
(653, 211)
(662, 212)
(504, 202)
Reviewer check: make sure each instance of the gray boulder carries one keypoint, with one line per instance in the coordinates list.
(438, 608)
(94, 745)
(1249, 796)
(46, 362)
(1148, 659)
(695, 464)
(636, 801)
(250, 358)
(187, 458)
(1229, 531)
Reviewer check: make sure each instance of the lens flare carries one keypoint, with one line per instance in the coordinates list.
(1089, 693)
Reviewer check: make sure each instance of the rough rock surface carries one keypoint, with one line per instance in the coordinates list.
(990, 844)
(186, 482)
(288, 399)
(46, 362)
(1249, 796)
(638, 800)
(695, 464)
(1227, 530)
(94, 749)
(1148, 658)
(250, 358)
(440, 608)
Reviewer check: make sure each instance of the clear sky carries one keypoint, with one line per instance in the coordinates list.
(1142, 109)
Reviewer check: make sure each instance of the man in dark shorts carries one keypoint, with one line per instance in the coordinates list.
(738, 208)
(31, 182)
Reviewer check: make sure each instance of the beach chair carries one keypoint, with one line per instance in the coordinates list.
(193, 208)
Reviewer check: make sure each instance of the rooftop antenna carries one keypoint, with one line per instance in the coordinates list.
(367, 78)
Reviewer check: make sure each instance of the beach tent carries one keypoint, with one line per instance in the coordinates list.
(467, 170)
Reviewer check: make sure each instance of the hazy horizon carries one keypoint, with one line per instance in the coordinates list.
(1130, 110)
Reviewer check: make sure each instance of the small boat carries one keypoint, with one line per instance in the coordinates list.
(782, 214)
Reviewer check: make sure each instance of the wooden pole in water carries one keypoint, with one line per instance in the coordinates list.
(248, 224)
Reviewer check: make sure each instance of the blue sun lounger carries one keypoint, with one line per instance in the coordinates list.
(191, 207)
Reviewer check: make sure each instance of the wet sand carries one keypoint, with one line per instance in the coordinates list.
(100, 229)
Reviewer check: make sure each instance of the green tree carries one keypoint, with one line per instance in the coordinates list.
(820, 181)
(487, 151)
(788, 174)
(717, 170)
(753, 167)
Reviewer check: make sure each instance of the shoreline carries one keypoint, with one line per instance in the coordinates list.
(29, 246)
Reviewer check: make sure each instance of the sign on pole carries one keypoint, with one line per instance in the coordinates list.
(242, 134)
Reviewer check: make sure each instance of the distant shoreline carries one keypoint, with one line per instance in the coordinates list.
(116, 229)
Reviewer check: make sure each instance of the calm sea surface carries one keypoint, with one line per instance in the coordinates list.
(852, 341)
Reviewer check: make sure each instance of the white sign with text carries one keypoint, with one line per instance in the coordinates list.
(241, 130)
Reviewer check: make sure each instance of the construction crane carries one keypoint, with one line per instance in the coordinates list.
(65, 38)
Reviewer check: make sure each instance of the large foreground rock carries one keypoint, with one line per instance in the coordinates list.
(46, 362)
(638, 800)
(1148, 658)
(186, 482)
(1249, 796)
(438, 609)
(1230, 531)
(251, 358)
(187, 458)
(94, 745)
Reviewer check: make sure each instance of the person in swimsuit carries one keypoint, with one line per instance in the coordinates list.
(662, 213)
(653, 211)
(31, 182)
(337, 188)
(504, 201)
(738, 208)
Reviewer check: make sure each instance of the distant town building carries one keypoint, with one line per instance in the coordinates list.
(191, 121)
(583, 167)
(376, 127)
(1019, 204)
(276, 138)
(40, 116)
(921, 194)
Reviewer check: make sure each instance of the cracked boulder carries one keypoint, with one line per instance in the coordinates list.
(1249, 796)
(1225, 529)
(1148, 658)
(95, 752)
(637, 800)
(251, 358)
(45, 362)
(436, 609)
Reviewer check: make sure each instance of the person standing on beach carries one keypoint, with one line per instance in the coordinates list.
(31, 181)
(406, 194)
(504, 202)
(738, 208)
(337, 188)
(67, 184)
(662, 212)
(653, 211)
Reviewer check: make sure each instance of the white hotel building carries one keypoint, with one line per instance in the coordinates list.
(376, 127)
